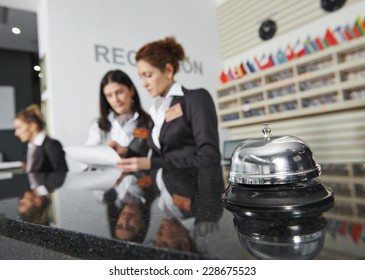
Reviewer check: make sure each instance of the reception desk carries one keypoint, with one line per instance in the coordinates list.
(169, 214)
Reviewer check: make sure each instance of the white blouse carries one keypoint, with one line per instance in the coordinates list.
(123, 135)
(158, 110)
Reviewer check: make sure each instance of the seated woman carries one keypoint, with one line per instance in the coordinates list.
(184, 132)
(123, 124)
(44, 154)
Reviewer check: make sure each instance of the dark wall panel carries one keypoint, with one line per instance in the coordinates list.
(16, 69)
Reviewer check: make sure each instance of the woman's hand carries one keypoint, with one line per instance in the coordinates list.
(122, 151)
(134, 164)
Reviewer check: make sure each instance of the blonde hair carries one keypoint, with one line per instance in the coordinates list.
(32, 114)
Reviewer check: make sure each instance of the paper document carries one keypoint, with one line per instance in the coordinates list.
(6, 175)
(10, 165)
(92, 180)
(96, 156)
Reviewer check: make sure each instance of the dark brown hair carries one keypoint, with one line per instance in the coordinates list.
(161, 52)
(32, 114)
(118, 76)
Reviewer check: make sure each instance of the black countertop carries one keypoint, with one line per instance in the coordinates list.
(178, 214)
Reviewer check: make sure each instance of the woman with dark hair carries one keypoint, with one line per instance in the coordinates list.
(44, 154)
(128, 206)
(185, 131)
(123, 124)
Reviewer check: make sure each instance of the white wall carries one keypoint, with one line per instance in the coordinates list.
(317, 28)
(69, 31)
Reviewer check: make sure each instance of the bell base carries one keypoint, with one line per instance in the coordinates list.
(306, 199)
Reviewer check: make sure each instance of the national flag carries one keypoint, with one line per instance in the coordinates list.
(255, 65)
(230, 74)
(281, 56)
(338, 33)
(258, 62)
(246, 68)
(343, 228)
(356, 232)
(224, 77)
(269, 63)
(242, 69)
(239, 72)
(250, 67)
(329, 38)
(308, 46)
(356, 31)
(289, 53)
(299, 49)
(265, 62)
(348, 33)
(319, 44)
(314, 45)
(359, 23)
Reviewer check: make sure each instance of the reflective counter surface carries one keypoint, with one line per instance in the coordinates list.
(173, 214)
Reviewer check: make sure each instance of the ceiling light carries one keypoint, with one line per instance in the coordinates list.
(16, 30)
(37, 68)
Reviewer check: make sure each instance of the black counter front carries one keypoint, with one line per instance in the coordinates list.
(171, 214)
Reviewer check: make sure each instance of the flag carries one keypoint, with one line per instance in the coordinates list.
(289, 53)
(343, 228)
(359, 23)
(281, 57)
(269, 63)
(250, 66)
(224, 77)
(299, 49)
(308, 46)
(348, 33)
(239, 71)
(255, 65)
(246, 68)
(338, 33)
(258, 62)
(265, 62)
(319, 44)
(356, 31)
(329, 38)
(314, 45)
(242, 69)
(356, 232)
(230, 74)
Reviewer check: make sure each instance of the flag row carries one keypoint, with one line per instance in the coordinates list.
(332, 37)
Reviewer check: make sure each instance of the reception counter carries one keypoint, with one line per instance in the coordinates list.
(170, 214)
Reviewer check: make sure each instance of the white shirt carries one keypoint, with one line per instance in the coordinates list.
(158, 110)
(166, 203)
(123, 135)
(37, 142)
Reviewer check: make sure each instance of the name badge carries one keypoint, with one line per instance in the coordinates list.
(144, 182)
(173, 112)
(141, 133)
(182, 202)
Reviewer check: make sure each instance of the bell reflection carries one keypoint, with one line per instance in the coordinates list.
(296, 239)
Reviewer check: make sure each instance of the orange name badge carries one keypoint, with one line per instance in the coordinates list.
(144, 182)
(141, 133)
(182, 202)
(173, 112)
